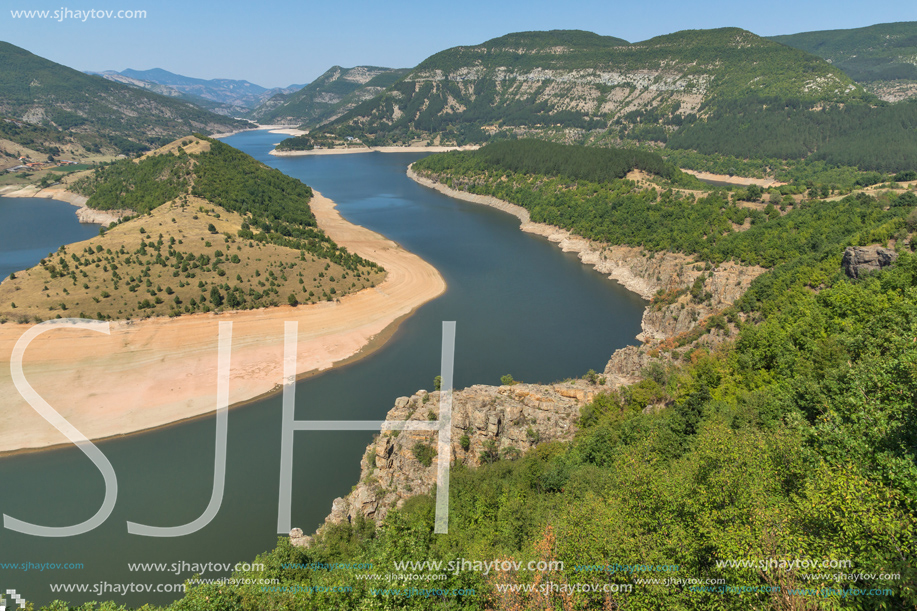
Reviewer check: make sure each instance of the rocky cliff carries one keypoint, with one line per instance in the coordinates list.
(505, 420)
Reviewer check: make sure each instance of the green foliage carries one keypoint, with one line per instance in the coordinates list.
(499, 93)
(864, 136)
(424, 453)
(617, 212)
(297, 143)
(507, 380)
(874, 53)
(96, 112)
(274, 205)
(549, 158)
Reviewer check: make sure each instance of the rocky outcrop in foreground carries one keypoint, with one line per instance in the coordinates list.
(860, 260)
(508, 420)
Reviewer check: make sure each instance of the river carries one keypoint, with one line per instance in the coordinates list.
(521, 307)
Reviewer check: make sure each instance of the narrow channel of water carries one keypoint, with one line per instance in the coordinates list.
(521, 306)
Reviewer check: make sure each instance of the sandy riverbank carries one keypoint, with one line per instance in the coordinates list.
(83, 213)
(378, 149)
(157, 371)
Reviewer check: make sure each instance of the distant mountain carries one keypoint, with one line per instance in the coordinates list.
(93, 112)
(531, 83)
(883, 56)
(228, 92)
(327, 97)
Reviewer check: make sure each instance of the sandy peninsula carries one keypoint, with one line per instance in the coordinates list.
(378, 149)
(153, 372)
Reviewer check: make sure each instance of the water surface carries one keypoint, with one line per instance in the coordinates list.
(521, 306)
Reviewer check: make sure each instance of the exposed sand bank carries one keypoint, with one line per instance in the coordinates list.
(378, 149)
(157, 371)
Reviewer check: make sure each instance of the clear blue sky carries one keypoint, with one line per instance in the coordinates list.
(279, 42)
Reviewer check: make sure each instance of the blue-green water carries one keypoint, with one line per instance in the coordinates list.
(30, 228)
(521, 306)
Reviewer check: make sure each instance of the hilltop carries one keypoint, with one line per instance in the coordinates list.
(883, 57)
(327, 97)
(539, 83)
(52, 109)
(212, 229)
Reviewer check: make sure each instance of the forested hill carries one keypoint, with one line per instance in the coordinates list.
(882, 52)
(540, 82)
(327, 97)
(215, 230)
(584, 190)
(93, 111)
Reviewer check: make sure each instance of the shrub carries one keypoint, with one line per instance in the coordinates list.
(424, 453)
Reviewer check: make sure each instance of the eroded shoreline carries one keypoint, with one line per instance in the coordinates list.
(159, 371)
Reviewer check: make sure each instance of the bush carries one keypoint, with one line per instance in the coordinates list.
(465, 442)
(424, 453)
(507, 380)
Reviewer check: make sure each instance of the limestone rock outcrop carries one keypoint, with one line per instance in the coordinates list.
(860, 260)
(507, 419)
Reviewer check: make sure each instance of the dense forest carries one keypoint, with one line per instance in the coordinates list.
(879, 52)
(608, 209)
(878, 138)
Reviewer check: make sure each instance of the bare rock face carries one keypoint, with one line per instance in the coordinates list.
(298, 539)
(860, 260)
(504, 418)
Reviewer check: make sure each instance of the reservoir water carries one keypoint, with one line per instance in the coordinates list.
(521, 307)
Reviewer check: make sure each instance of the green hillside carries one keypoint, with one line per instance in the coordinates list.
(882, 52)
(327, 97)
(549, 83)
(126, 119)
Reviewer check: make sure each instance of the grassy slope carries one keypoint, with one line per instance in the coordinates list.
(69, 100)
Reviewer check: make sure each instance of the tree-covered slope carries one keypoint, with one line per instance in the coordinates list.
(39, 91)
(584, 190)
(882, 52)
(327, 97)
(539, 81)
